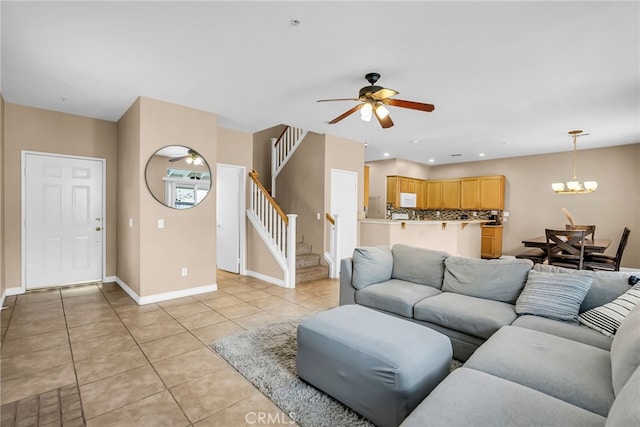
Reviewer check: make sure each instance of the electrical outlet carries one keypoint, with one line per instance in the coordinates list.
(505, 214)
(437, 213)
(161, 225)
(184, 271)
(130, 222)
(475, 214)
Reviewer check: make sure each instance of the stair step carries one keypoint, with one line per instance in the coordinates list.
(307, 274)
(307, 260)
(303, 248)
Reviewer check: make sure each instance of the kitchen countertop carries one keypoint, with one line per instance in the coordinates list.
(426, 222)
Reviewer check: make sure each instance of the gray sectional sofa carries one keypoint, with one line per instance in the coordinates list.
(527, 359)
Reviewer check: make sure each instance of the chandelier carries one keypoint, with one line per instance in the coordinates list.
(574, 186)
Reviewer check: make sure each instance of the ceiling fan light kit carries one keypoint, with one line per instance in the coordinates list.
(574, 186)
(374, 100)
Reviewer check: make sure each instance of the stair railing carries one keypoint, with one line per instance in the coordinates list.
(277, 230)
(332, 255)
(282, 149)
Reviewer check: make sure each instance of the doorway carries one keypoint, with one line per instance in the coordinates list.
(63, 220)
(344, 204)
(230, 207)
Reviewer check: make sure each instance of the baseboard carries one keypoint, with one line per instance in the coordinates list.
(333, 268)
(150, 299)
(269, 279)
(9, 292)
(109, 279)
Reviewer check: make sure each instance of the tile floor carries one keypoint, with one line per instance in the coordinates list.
(143, 365)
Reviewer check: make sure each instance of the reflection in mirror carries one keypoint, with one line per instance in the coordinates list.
(178, 177)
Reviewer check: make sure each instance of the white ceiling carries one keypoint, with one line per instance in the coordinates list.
(507, 78)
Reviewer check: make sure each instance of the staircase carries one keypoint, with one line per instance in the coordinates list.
(308, 265)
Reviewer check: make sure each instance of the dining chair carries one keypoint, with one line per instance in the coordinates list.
(589, 230)
(565, 248)
(597, 261)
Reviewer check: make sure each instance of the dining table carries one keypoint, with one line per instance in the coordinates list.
(590, 245)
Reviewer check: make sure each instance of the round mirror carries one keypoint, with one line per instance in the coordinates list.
(178, 177)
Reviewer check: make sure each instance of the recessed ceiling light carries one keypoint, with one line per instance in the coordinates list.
(431, 160)
(386, 154)
(481, 154)
(415, 141)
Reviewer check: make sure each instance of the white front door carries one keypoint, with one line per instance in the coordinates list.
(228, 212)
(63, 220)
(344, 205)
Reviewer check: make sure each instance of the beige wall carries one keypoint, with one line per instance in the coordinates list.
(378, 172)
(300, 189)
(34, 129)
(343, 154)
(533, 206)
(262, 153)
(188, 238)
(129, 171)
(236, 148)
(2, 197)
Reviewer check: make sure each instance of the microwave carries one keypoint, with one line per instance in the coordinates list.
(408, 200)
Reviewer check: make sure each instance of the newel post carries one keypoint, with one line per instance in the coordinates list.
(290, 279)
(335, 273)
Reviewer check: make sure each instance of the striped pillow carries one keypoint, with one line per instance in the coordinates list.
(553, 295)
(607, 318)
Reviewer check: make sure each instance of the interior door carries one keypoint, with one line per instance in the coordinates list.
(344, 204)
(228, 214)
(63, 211)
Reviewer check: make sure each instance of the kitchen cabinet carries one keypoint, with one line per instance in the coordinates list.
(491, 242)
(401, 184)
(422, 194)
(433, 194)
(470, 193)
(451, 194)
(491, 190)
(482, 192)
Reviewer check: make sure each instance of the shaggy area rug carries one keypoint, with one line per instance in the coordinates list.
(267, 358)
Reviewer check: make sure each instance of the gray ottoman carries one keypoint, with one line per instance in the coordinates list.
(380, 366)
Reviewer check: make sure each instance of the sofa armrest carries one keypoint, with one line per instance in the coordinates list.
(347, 291)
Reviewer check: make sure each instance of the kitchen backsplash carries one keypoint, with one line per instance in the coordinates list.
(444, 214)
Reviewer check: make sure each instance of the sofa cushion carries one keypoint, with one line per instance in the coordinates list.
(625, 350)
(499, 280)
(395, 296)
(422, 266)
(475, 316)
(577, 373)
(568, 330)
(553, 295)
(606, 286)
(492, 401)
(371, 265)
(607, 318)
(625, 410)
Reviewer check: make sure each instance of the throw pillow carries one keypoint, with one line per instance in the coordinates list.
(607, 318)
(553, 295)
(371, 265)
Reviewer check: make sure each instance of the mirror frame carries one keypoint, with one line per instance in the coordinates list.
(157, 169)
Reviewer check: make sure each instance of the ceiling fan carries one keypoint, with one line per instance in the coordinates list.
(373, 100)
(192, 156)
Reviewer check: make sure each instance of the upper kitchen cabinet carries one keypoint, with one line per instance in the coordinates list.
(482, 192)
(451, 194)
(492, 192)
(433, 194)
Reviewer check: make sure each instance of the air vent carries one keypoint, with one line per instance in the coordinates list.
(456, 155)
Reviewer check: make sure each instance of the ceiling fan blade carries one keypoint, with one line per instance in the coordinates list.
(385, 121)
(410, 104)
(177, 159)
(346, 114)
(338, 99)
(383, 93)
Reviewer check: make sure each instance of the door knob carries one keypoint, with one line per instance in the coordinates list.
(98, 229)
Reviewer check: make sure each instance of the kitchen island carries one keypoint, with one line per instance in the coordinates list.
(462, 238)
